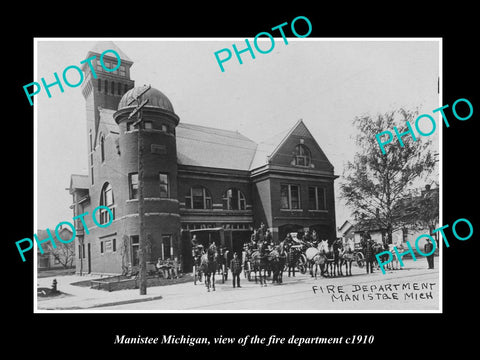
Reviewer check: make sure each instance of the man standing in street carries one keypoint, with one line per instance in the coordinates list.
(369, 255)
(428, 247)
(236, 268)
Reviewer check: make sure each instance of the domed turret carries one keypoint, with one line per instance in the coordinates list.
(155, 99)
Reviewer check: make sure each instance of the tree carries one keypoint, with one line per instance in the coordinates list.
(64, 254)
(374, 184)
(422, 212)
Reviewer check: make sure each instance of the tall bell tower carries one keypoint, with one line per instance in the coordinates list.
(105, 88)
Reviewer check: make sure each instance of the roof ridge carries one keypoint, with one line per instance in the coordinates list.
(223, 131)
(103, 45)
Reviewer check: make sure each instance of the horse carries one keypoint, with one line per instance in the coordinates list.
(223, 263)
(259, 263)
(346, 257)
(394, 264)
(276, 261)
(316, 259)
(208, 265)
(331, 252)
(377, 249)
(293, 254)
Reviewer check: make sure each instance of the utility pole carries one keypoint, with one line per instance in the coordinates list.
(141, 210)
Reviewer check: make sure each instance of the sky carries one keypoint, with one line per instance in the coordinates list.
(325, 82)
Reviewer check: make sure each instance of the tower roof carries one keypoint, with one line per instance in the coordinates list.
(101, 46)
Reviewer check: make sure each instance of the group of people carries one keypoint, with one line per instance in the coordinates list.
(169, 268)
(235, 263)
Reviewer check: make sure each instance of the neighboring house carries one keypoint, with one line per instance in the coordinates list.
(420, 215)
(346, 231)
(60, 257)
(214, 183)
(377, 233)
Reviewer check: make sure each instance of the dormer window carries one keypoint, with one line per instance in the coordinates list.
(302, 155)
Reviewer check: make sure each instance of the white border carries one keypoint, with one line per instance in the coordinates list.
(95, 311)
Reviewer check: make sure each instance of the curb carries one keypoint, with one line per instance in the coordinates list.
(113, 303)
(124, 302)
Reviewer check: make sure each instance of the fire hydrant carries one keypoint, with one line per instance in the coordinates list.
(54, 285)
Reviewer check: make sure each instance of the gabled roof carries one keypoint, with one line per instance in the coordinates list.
(78, 181)
(269, 147)
(346, 226)
(211, 147)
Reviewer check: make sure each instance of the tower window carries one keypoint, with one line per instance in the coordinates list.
(106, 199)
(122, 70)
(91, 155)
(167, 248)
(148, 125)
(135, 241)
(164, 188)
(133, 185)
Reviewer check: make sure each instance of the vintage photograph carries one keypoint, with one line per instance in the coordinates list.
(164, 184)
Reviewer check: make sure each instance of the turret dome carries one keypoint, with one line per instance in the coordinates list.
(155, 99)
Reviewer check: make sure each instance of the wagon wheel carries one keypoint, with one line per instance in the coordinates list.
(360, 260)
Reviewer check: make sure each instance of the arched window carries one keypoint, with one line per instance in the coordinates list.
(233, 199)
(198, 197)
(106, 199)
(102, 147)
(303, 156)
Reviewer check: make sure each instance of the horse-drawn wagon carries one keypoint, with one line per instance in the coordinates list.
(359, 255)
(201, 240)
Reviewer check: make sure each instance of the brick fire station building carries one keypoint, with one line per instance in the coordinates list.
(214, 183)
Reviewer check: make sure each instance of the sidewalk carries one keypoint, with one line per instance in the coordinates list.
(84, 298)
(81, 297)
